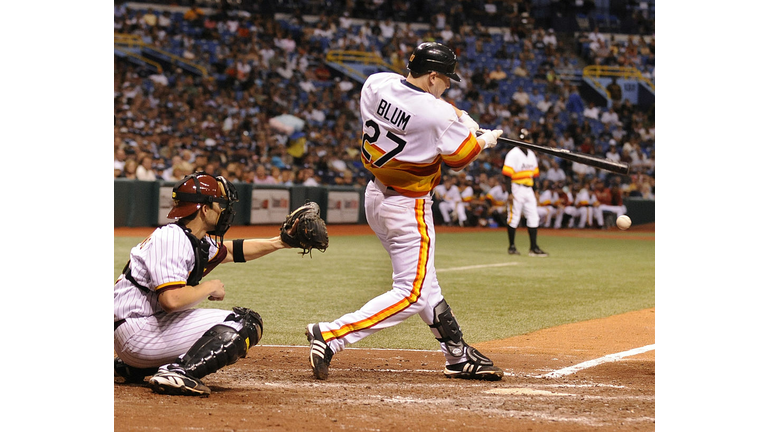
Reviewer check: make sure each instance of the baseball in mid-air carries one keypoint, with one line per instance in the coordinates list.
(623, 222)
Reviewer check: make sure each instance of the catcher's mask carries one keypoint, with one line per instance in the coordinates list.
(200, 188)
(433, 56)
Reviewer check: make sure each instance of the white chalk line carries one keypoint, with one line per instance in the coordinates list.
(475, 267)
(591, 363)
(555, 374)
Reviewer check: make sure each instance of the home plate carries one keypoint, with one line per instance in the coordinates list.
(524, 391)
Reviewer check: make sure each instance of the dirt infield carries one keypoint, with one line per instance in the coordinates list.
(567, 378)
(384, 390)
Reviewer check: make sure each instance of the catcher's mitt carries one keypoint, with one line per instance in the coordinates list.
(305, 229)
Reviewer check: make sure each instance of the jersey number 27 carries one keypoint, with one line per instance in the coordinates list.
(372, 139)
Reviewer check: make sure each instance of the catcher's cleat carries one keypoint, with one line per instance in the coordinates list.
(536, 252)
(130, 374)
(513, 251)
(172, 382)
(320, 354)
(478, 367)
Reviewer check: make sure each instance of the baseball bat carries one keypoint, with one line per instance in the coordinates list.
(605, 164)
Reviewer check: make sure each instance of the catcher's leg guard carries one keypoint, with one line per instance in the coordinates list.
(222, 345)
(446, 329)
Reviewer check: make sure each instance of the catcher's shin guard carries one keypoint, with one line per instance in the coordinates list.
(222, 345)
(446, 329)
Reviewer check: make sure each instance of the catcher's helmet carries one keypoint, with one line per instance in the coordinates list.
(198, 189)
(433, 57)
(192, 192)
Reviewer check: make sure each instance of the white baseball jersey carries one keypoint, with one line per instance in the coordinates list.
(522, 168)
(407, 134)
(546, 207)
(498, 196)
(587, 212)
(150, 337)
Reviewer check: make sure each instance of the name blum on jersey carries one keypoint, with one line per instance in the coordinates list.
(393, 114)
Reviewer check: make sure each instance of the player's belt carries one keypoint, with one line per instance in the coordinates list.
(520, 184)
(118, 323)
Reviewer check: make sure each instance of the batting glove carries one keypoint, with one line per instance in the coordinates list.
(467, 121)
(489, 137)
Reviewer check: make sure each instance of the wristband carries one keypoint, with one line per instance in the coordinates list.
(237, 250)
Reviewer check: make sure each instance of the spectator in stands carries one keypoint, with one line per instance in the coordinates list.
(550, 42)
(609, 117)
(262, 177)
(497, 75)
(521, 70)
(614, 91)
(592, 111)
(612, 153)
(144, 170)
(555, 174)
(521, 97)
(129, 170)
(574, 104)
(194, 15)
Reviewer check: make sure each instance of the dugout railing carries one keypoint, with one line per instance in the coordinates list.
(146, 203)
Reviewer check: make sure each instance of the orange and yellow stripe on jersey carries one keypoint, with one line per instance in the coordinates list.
(522, 177)
(418, 179)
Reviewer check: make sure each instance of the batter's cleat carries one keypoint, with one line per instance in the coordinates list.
(478, 367)
(536, 252)
(130, 374)
(513, 251)
(172, 382)
(320, 354)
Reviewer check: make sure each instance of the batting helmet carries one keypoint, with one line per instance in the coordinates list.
(433, 57)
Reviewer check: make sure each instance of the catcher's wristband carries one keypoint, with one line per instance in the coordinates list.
(237, 250)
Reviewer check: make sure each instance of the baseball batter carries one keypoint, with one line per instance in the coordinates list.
(157, 329)
(408, 132)
(520, 168)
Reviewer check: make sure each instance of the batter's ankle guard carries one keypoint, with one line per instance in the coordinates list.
(446, 329)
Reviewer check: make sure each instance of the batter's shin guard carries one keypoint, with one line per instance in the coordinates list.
(446, 329)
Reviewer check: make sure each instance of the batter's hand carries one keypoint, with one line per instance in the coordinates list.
(469, 122)
(489, 137)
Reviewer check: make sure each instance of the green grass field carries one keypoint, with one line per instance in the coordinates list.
(494, 295)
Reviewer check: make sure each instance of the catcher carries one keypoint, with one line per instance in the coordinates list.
(158, 330)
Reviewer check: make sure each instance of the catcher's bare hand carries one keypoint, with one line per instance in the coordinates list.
(217, 287)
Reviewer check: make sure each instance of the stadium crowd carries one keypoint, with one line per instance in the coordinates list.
(271, 111)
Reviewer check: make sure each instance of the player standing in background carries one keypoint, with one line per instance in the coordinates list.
(157, 329)
(408, 132)
(520, 168)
